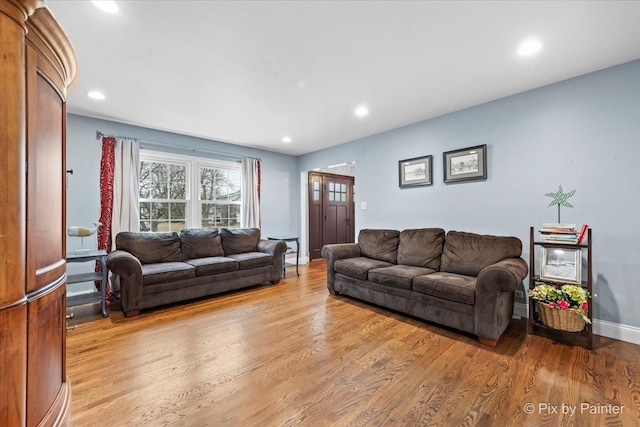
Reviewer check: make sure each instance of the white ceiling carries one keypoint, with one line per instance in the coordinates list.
(250, 73)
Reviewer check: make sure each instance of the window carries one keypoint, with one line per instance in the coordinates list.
(183, 191)
(337, 192)
(163, 196)
(219, 197)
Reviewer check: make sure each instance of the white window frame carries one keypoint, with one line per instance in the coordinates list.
(213, 164)
(193, 165)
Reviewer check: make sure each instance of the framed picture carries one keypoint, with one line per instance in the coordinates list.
(561, 265)
(467, 164)
(416, 172)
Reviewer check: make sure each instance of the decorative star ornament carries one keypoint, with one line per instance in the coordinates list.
(560, 197)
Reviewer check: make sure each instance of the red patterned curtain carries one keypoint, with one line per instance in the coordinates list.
(107, 166)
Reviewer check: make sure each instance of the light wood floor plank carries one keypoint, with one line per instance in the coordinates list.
(291, 354)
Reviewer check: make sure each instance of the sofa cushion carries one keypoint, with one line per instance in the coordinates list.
(358, 267)
(421, 247)
(201, 243)
(379, 244)
(468, 253)
(151, 248)
(166, 272)
(213, 265)
(397, 276)
(252, 259)
(453, 287)
(239, 240)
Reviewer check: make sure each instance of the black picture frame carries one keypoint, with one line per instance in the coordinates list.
(465, 164)
(416, 172)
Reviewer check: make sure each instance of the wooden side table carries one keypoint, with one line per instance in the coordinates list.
(285, 239)
(95, 255)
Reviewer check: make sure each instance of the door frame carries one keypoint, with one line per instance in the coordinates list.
(304, 205)
(304, 217)
(304, 209)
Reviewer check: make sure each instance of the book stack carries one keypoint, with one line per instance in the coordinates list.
(562, 233)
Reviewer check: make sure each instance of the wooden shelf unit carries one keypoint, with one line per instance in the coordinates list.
(534, 322)
(99, 276)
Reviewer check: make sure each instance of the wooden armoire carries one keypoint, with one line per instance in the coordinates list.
(37, 64)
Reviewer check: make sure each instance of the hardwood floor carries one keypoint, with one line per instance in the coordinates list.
(291, 354)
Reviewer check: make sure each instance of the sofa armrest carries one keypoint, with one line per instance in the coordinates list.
(503, 276)
(332, 253)
(494, 296)
(276, 248)
(124, 264)
(129, 269)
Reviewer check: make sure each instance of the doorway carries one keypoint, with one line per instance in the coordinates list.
(331, 211)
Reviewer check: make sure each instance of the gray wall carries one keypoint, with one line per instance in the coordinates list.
(582, 133)
(280, 202)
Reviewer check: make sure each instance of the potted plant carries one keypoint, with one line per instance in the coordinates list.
(564, 308)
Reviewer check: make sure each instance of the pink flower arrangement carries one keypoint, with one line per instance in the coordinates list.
(563, 297)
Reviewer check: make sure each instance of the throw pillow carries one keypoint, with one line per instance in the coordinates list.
(421, 247)
(468, 253)
(201, 243)
(151, 248)
(239, 240)
(379, 244)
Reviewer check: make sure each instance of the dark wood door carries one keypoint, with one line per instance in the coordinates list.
(331, 211)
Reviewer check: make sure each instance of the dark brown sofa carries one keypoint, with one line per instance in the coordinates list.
(464, 281)
(153, 269)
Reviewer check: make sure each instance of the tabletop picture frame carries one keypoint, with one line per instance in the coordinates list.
(416, 172)
(465, 164)
(562, 265)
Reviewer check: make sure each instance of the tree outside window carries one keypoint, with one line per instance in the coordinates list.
(220, 197)
(182, 191)
(163, 192)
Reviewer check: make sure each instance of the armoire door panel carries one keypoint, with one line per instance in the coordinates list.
(46, 351)
(12, 184)
(45, 178)
(13, 365)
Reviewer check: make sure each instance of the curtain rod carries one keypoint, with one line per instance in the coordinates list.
(100, 134)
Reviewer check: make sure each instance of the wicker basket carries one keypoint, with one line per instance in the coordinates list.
(561, 319)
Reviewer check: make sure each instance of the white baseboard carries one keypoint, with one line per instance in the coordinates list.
(520, 310)
(616, 331)
(603, 328)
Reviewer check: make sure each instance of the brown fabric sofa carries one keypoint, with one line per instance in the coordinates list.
(462, 280)
(154, 269)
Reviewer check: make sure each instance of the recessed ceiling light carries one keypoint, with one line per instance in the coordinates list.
(362, 111)
(108, 6)
(94, 94)
(529, 47)
(286, 139)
